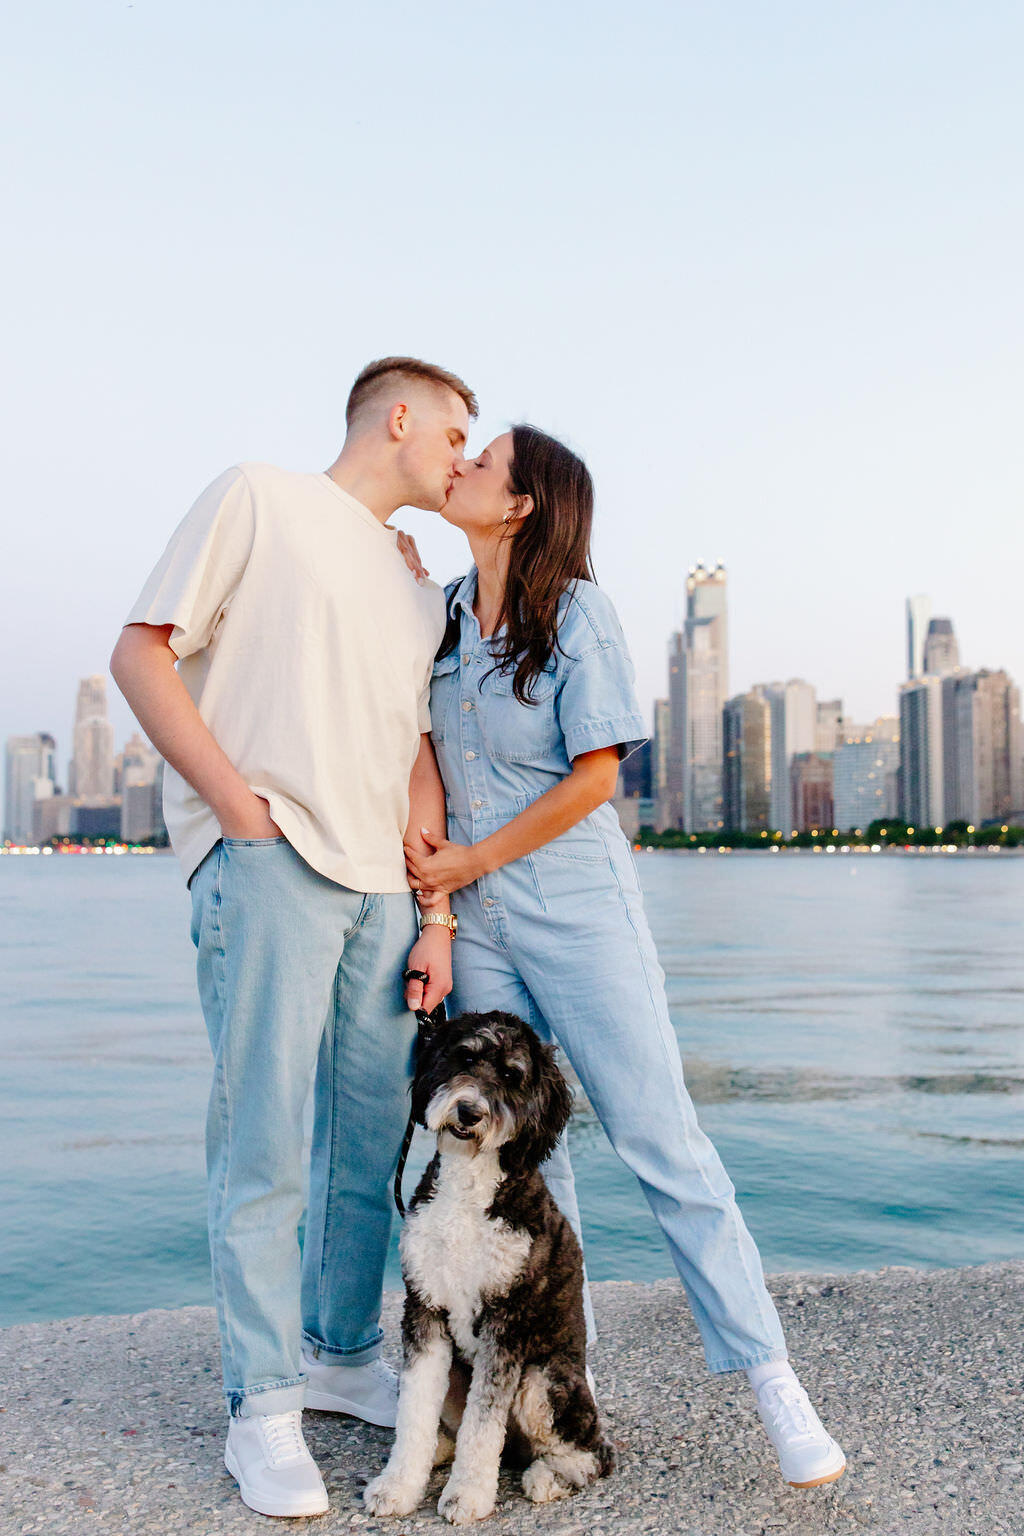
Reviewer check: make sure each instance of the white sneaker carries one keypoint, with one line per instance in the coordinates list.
(268, 1458)
(808, 1456)
(367, 1392)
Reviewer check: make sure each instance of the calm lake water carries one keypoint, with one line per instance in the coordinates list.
(852, 1031)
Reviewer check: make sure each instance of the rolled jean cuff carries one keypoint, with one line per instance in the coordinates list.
(737, 1363)
(275, 1397)
(361, 1354)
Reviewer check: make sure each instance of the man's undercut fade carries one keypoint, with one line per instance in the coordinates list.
(377, 377)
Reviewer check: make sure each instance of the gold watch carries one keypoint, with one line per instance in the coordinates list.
(442, 919)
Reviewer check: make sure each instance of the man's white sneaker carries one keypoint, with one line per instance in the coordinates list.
(367, 1392)
(807, 1455)
(268, 1458)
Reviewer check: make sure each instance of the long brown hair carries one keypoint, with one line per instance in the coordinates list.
(550, 550)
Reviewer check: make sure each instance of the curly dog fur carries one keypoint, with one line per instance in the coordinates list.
(493, 1331)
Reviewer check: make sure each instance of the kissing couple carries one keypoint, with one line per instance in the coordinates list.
(340, 732)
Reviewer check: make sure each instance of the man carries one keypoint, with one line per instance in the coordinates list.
(279, 657)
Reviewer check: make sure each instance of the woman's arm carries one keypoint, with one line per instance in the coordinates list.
(432, 951)
(590, 783)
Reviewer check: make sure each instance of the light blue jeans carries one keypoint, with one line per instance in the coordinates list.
(561, 939)
(298, 975)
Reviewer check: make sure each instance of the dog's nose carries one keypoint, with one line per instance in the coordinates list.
(468, 1116)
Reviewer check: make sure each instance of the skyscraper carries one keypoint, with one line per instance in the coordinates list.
(921, 777)
(705, 679)
(794, 728)
(919, 611)
(941, 652)
(829, 730)
(661, 747)
(982, 737)
(92, 768)
(29, 775)
(810, 783)
(140, 802)
(866, 772)
(747, 763)
(671, 807)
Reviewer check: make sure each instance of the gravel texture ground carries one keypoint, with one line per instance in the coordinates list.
(116, 1423)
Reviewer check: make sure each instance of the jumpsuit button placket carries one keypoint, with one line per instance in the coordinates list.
(474, 784)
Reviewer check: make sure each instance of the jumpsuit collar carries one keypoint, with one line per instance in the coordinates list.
(465, 592)
(464, 597)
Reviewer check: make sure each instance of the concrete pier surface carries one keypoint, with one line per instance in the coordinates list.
(117, 1423)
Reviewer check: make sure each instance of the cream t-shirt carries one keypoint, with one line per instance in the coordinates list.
(307, 647)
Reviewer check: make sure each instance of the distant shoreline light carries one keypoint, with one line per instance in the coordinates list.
(27, 850)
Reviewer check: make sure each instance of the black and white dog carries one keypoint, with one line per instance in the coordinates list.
(493, 1332)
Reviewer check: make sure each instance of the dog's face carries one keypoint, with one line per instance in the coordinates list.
(485, 1082)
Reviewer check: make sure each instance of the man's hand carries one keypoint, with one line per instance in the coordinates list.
(411, 555)
(250, 819)
(432, 953)
(447, 869)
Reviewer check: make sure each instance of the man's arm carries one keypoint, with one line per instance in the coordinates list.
(142, 666)
(432, 951)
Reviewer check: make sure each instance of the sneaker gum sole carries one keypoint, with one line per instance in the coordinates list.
(819, 1482)
(264, 1508)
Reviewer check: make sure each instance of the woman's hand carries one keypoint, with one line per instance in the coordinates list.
(431, 953)
(447, 869)
(411, 555)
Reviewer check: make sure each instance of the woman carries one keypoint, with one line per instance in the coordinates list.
(532, 707)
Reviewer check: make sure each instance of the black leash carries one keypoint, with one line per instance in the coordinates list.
(427, 1023)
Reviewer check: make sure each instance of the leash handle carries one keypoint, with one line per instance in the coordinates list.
(426, 1024)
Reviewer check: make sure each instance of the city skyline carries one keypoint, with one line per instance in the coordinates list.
(778, 760)
(100, 792)
(793, 728)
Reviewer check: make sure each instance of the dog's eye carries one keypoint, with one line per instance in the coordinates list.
(512, 1074)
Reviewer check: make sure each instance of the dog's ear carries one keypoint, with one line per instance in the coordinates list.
(547, 1115)
(557, 1094)
(431, 1046)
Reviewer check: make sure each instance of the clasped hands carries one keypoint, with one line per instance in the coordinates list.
(447, 868)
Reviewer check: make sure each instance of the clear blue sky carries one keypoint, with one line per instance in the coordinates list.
(760, 263)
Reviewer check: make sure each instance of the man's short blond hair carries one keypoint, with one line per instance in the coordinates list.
(378, 376)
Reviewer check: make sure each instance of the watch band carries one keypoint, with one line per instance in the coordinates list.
(441, 920)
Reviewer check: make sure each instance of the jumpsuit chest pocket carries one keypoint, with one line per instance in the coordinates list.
(444, 686)
(520, 733)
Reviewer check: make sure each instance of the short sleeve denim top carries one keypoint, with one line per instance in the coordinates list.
(496, 755)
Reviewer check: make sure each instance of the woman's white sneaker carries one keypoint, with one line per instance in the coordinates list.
(269, 1460)
(367, 1392)
(807, 1454)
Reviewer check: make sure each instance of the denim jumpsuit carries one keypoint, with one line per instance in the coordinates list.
(560, 938)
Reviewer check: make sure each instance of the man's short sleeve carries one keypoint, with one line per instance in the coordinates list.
(200, 569)
(423, 705)
(597, 704)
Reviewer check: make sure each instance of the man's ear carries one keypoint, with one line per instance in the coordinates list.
(398, 420)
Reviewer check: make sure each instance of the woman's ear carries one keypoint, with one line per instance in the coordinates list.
(521, 507)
